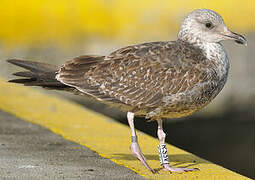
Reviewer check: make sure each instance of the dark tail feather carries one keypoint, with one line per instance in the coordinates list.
(24, 74)
(39, 74)
(34, 66)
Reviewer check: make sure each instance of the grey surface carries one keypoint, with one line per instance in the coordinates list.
(28, 151)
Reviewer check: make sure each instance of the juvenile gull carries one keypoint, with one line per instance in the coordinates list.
(156, 80)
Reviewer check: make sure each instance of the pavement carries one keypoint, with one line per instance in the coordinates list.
(29, 151)
(53, 138)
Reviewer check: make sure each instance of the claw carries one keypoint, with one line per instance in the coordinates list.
(136, 151)
(167, 167)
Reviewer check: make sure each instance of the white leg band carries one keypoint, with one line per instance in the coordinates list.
(163, 155)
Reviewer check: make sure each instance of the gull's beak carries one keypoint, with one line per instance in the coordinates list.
(238, 38)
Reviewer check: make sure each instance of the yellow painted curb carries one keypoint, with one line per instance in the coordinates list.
(99, 133)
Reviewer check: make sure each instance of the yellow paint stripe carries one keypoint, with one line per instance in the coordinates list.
(108, 138)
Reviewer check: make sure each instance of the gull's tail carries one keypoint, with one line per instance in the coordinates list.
(38, 74)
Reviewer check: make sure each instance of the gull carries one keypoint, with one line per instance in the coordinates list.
(156, 80)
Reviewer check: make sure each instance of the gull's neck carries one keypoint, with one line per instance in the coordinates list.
(215, 53)
(207, 47)
(190, 38)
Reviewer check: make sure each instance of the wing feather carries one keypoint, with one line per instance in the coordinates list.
(139, 76)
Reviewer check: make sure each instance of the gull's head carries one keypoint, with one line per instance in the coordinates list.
(204, 25)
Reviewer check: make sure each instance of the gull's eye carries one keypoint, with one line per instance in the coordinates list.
(208, 25)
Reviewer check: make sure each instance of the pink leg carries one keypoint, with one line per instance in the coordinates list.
(134, 147)
(161, 137)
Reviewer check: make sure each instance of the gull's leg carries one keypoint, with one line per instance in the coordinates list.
(134, 147)
(163, 156)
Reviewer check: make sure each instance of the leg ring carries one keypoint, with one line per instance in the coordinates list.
(134, 139)
(163, 155)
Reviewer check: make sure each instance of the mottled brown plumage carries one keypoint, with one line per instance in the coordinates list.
(157, 80)
(142, 78)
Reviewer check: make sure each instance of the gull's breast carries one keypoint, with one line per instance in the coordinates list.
(216, 73)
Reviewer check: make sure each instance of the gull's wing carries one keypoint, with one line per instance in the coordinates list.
(140, 75)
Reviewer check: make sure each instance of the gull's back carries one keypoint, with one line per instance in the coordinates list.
(153, 79)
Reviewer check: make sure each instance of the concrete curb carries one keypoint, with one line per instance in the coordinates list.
(101, 134)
